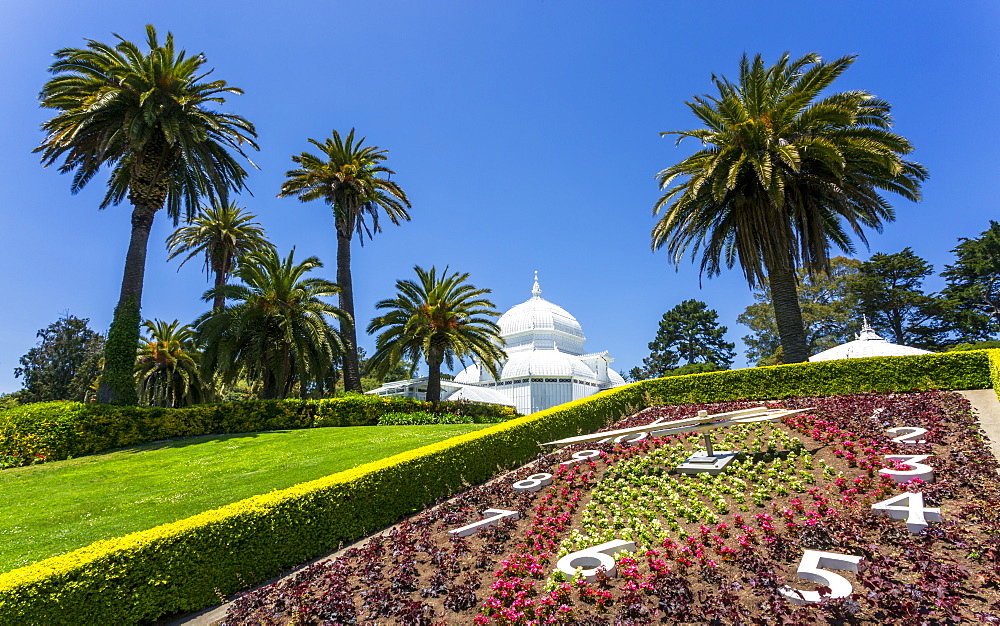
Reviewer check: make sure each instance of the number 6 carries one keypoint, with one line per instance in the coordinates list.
(814, 566)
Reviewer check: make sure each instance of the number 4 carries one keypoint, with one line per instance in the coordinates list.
(913, 511)
(814, 566)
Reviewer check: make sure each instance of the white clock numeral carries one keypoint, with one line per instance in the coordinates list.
(920, 470)
(582, 455)
(913, 510)
(593, 558)
(815, 566)
(907, 434)
(494, 518)
(533, 482)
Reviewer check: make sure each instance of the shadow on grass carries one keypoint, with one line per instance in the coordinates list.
(184, 442)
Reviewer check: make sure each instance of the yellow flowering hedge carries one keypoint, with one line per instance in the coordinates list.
(185, 565)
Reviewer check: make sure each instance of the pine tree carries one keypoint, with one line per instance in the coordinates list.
(889, 290)
(973, 289)
(689, 334)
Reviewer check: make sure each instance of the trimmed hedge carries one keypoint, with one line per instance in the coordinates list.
(422, 418)
(185, 565)
(52, 431)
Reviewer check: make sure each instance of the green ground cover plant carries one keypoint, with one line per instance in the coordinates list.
(56, 507)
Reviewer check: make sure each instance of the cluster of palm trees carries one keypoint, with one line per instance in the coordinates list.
(784, 173)
(145, 115)
(268, 335)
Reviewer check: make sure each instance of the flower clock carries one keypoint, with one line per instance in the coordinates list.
(870, 508)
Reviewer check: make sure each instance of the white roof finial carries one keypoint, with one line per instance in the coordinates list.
(867, 332)
(536, 291)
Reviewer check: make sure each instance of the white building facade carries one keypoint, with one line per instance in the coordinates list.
(546, 361)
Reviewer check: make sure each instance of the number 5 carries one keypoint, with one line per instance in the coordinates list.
(814, 566)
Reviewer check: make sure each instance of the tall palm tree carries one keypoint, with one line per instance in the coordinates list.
(166, 370)
(145, 115)
(780, 175)
(223, 233)
(277, 332)
(439, 318)
(348, 177)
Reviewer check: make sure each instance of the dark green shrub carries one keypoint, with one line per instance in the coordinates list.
(51, 431)
(422, 418)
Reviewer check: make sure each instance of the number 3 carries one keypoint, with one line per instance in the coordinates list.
(814, 566)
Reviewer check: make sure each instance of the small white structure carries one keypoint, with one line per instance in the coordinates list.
(868, 343)
(546, 363)
(450, 390)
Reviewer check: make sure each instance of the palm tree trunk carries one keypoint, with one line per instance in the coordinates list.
(352, 373)
(118, 380)
(433, 378)
(220, 280)
(267, 391)
(788, 314)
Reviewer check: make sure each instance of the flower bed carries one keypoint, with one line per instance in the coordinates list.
(708, 548)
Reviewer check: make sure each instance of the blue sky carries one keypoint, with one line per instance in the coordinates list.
(526, 134)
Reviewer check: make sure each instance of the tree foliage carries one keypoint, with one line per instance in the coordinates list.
(352, 178)
(146, 115)
(973, 287)
(829, 313)
(222, 233)
(888, 289)
(689, 334)
(784, 174)
(439, 318)
(63, 363)
(166, 370)
(278, 331)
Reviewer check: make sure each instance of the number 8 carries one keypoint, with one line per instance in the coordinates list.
(533, 482)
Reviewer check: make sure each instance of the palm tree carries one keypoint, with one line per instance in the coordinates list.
(223, 233)
(440, 319)
(144, 115)
(166, 370)
(348, 177)
(277, 332)
(779, 177)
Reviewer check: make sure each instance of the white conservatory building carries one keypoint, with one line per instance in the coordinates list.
(868, 343)
(546, 362)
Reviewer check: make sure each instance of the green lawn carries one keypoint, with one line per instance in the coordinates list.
(53, 508)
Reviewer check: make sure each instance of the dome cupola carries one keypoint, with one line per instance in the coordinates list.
(537, 324)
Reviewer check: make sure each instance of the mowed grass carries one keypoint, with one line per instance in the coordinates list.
(49, 509)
